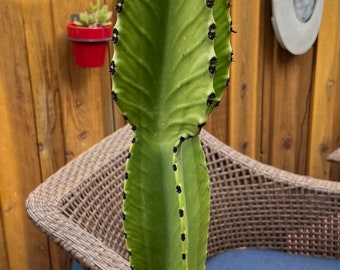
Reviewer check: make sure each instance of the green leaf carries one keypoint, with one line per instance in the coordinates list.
(84, 18)
(105, 8)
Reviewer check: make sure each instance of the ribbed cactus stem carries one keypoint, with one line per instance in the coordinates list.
(169, 70)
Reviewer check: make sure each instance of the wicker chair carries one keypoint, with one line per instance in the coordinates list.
(334, 156)
(253, 205)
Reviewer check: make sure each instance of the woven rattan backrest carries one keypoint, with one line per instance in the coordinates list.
(253, 205)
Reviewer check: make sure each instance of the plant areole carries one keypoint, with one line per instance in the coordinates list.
(170, 68)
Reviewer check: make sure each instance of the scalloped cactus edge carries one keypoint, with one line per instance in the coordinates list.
(170, 68)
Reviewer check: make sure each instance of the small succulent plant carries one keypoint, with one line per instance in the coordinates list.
(95, 16)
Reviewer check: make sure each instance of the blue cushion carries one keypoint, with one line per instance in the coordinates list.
(262, 259)
(76, 266)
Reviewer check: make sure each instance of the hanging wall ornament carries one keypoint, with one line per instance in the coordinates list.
(296, 23)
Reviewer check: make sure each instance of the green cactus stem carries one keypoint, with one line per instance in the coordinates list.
(169, 70)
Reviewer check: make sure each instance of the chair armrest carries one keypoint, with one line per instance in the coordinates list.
(79, 206)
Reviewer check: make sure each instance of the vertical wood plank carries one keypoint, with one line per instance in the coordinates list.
(82, 90)
(109, 108)
(245, 76)
(107, 104)
(326, 93)
(3, 251)
(267, 45)
(27, 248)
(334, 170)
(290, 109)
(44, 82)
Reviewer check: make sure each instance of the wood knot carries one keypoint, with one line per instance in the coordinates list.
(324, 149)
(83, 135)
(244, 146)
(287, 143)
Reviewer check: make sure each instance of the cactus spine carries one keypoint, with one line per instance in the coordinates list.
(169, 70)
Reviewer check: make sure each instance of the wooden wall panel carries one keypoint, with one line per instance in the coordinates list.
(83, 91)
(290, 109)
(326, 93)
(246, 73)
(3, 249)
(27, 248)
(44, 83)
(267, 44)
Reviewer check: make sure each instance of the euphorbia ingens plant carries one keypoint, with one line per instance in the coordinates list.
(170, 68)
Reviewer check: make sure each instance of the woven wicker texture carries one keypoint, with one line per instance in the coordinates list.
(253, 205)
(334, 156)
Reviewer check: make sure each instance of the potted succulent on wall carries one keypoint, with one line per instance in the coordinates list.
(170, 69)
(89, 32)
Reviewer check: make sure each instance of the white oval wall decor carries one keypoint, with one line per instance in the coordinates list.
(296, 23)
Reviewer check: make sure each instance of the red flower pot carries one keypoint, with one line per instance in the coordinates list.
(89, 44)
